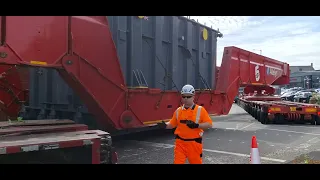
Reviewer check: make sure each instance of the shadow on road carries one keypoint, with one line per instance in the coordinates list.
(144, 135)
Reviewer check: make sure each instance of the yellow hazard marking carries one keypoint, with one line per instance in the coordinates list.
(275, 109)
(311, 110)
(257, 83)
(154, 122)
(38, 62)
(293, 108)
(205, 34)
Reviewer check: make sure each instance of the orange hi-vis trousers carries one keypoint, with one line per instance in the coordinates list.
(190, 150)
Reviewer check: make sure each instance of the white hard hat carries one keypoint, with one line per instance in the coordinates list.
(187, 89)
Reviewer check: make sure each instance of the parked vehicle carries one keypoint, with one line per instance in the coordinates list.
(289, 96)
(303, 96)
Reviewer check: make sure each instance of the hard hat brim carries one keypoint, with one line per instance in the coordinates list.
(185, 93)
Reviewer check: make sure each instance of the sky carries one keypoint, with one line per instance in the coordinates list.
(291, 39)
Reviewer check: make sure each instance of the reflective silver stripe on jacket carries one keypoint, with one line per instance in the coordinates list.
(197, 116)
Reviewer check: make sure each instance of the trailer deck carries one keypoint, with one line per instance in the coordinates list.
(54, 141)
(268, 112)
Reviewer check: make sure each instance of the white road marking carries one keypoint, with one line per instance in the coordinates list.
(315, 138)
(209, 150)
(246, 126)
(218, 139)
(297, 132)
(303, 146)
(309, 143)
(277, 134)
(230, 140)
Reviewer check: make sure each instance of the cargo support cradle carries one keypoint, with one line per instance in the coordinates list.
(78, 46)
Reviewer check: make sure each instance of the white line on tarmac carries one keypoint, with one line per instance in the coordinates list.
(246, 126)
(312, 139)
(297, 132)
(209, 150)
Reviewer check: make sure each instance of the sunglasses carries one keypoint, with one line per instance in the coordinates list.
(188, 97)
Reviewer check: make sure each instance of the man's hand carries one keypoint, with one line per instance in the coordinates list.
(192, 124)
(162, 125)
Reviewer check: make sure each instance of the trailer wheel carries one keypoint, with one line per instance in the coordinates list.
(254, 112)
(250, 110)
(245, 108)
(258, 115)
(300, 120)
(315, 120)
(279, 119)
(264, 118)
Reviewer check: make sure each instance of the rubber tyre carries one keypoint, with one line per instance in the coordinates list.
(254, 112)
(258, 115)
(315, 120)
(264, 118)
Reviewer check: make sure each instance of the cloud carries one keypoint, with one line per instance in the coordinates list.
(291, 39)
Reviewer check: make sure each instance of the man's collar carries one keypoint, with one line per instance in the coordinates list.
(192, 107)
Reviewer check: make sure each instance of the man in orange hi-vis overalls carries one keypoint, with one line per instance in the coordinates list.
(190, 121)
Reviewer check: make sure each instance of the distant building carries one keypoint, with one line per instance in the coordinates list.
(304, 76)
(294, 69)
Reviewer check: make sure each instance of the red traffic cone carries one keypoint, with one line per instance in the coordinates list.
(254, 155)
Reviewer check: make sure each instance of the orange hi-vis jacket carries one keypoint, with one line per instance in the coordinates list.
(197, 114)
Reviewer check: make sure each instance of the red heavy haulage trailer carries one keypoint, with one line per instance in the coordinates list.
(258, 98)
(84, 52)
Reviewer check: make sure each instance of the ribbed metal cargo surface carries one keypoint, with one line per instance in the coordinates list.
(162, 51)
(158, 44)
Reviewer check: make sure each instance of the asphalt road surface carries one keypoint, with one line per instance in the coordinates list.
(228, 142)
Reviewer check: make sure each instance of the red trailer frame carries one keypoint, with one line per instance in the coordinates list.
(90, 65)
(281, 111)
(14, 83)
(39, 136)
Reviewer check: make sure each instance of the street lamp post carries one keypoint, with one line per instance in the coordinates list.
(258, 50)
(306, 82)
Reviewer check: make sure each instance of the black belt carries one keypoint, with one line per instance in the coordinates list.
(198, 140)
